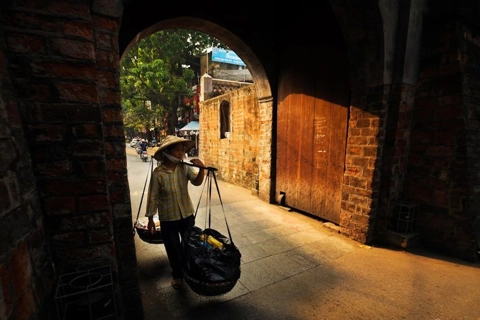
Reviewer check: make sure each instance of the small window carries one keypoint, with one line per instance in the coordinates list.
(224, 120)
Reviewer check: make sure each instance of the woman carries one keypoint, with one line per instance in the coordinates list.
(168, 196)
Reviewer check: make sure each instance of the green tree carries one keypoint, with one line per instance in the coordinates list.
(157, 74)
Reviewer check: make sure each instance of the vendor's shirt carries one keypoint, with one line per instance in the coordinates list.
(168, 193)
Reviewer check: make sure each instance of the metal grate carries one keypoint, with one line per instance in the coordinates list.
(404, 216)
(86, 295)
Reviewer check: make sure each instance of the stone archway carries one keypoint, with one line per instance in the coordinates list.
(61, 114)
(261, 81)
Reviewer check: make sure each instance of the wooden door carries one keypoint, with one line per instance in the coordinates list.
(311, 131)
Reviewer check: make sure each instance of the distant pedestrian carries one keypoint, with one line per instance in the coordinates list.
(144, 145)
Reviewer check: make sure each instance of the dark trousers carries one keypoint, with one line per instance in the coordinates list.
(172, 234)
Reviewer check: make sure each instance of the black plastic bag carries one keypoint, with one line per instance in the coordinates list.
(210, 269)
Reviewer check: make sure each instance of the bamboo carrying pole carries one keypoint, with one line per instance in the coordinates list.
(201, 167)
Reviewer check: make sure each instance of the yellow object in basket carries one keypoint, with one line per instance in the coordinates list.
(212, 241)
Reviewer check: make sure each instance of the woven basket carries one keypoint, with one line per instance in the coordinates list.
(210, 271)
(142, 231)
(209, 289)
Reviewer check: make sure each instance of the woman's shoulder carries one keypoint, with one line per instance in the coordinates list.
(160, 168)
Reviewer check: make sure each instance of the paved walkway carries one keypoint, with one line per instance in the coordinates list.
(297, 267)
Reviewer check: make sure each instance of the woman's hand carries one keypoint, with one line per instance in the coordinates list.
(151, 225)
(201, 173)
(197, 162)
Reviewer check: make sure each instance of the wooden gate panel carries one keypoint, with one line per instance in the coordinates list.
(284, 141)
(304, 167)
(311, 133)
(321, 146)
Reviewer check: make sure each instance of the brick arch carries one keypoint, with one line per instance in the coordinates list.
(260, 76)
(255, 67)
(360, 22)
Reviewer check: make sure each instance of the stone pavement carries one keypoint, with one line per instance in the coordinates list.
(298, 267)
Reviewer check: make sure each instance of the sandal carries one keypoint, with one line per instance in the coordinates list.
(177, 283)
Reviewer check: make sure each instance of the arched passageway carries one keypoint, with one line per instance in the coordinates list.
(61, 114)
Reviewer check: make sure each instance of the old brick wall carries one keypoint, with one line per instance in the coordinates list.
(470, 62)
(361, 182)
(442, 163)
(236, 157)
(63, 63)
(26, 269)
(399, 101)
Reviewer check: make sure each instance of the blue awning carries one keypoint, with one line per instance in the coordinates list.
(191, 126)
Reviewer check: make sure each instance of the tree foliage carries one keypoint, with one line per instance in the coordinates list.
(157, 74)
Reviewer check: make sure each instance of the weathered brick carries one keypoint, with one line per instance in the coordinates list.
(70, 48)
(59, 205)
(114, 149)
(14, 117)
(5, 202)
(77, 28)
(35, 91)
(72, 10)
(107, 59)
(25, 43)
(105, 40)
(88, 130)
(64, 69)
(72, 186)
(94, 203)
(439, 151)
(108, 79)
(100, 236)
(444, 138)
(47, 133)
(21, 267)
(77, 92)
(73, 256)
(354, 151)
(106, 24)
(91, 168)
(6, 303)
(82, 222)
(25, 304)
(116, 164)
(370, 151)
(112, 115)
(110, 97)
(122, 211)
(59, 168)
(114, 131)
(70, 239)
(117, 180)
(118, 196)
(358, 182)
(448, 113)
(87, 148)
